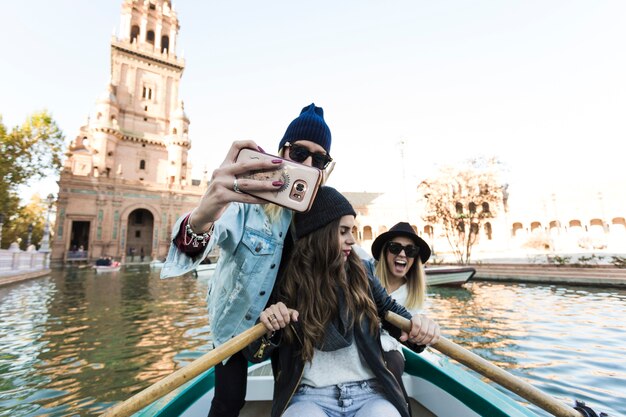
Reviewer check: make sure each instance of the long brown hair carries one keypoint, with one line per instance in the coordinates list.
(314, 276)
(415, 280)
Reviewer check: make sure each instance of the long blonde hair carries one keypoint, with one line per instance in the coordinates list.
(314, 278)
(415, 280)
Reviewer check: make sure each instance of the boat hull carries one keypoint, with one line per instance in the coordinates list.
(437, 385)
(453, 276)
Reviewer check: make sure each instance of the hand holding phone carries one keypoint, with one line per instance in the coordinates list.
(300, 182)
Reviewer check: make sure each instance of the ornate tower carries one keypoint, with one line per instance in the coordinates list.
(130, 157)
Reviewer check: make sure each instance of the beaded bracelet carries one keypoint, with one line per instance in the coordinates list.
(195, 239)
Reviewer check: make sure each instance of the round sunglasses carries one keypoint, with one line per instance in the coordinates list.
(410, 251)
(299, 153)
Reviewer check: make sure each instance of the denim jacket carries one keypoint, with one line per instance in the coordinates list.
(251, 249)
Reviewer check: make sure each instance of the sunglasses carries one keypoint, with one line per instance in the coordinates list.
(410, 251)
(300, 154)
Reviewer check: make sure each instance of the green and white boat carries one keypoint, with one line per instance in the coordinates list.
(437, 387)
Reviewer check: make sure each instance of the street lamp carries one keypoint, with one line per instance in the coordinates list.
(45, 240)
(30, 234)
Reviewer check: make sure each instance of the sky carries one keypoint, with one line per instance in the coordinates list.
(541, 85)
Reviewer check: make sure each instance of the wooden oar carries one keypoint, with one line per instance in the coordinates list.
(183, 375)
(491, 371)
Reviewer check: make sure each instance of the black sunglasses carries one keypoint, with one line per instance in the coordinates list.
(410, 251)
(299, 153)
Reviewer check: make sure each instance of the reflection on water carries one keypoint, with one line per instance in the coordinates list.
(566, 341)
(75, 343)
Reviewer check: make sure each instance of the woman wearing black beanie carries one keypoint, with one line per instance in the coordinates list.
(325, 324)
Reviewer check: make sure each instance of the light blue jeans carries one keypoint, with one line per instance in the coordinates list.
(353, 399)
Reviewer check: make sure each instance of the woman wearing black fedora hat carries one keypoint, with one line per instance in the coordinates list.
(401, 255)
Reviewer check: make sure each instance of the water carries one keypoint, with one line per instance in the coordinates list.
(75, 343)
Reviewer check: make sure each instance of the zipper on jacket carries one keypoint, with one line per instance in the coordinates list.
(299, 379)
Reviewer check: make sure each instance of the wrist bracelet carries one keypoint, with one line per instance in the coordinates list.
(195, 239)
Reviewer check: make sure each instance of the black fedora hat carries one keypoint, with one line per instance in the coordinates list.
(401, 229)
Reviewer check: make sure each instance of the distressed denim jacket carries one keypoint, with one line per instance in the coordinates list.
(251, 249)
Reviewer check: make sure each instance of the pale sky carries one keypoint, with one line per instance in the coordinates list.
(539, 84)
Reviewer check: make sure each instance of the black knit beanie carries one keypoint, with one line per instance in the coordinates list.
(310, 125)
(329, 205)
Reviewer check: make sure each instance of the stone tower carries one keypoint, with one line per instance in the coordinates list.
(126, 175)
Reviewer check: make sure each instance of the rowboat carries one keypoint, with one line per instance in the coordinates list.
(156, 264)
(454, 276)
(107, 268)
(437, 387)
(205, 270)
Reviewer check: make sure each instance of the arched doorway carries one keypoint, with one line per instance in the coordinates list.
(139, 236)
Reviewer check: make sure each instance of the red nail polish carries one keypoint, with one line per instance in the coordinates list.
(277, 161)
(278, 183)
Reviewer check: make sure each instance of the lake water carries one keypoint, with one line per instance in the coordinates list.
(74, 343)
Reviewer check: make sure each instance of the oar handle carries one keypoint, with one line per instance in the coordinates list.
(183, 375)
(491, 371)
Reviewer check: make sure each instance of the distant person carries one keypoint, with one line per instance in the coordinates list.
(252, 236)
(401, 254)
(324, 326)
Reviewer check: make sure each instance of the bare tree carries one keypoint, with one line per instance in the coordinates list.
(462, 198)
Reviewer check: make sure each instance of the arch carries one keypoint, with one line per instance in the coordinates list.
(142, 164)
(575, 223)
(488, 231)
(150, 37)
(134, 33)
(139, 232)
(459, 208)
(165, 43)
(486, 207)
(367, 233)
(415, 229)
(596, 222)
(535, 226)
(382, 229)
(472, 207)
(619, 220)
(517, 226)
(428, 231)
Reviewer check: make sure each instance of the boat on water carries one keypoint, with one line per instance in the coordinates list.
(114, 267)
(437, 387)
(454, 276)
(205, 270)
(156, 264)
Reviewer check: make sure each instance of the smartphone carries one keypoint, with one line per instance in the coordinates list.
(301, 182)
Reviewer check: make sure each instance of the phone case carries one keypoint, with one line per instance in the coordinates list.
(301, 182)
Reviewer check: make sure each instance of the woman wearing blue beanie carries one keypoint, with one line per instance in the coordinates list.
(253, 237)
(324, 324)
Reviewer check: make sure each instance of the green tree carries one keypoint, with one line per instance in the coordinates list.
(33, 213)
(461, 198)
(28, 152)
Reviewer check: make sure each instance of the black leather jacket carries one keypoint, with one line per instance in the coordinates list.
(288, 366)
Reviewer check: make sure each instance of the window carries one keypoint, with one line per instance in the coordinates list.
(150, 37)
(134, 33)
(137, 233)
(142, 164)
(165, 43)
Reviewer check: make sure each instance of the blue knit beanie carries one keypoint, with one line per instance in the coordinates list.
(310, 125)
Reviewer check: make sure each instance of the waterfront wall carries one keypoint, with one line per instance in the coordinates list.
(597, 275)
(17, 265)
